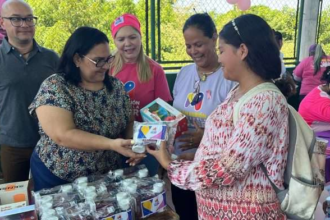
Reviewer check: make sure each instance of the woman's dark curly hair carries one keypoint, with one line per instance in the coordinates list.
(326, 77)
(286, 85)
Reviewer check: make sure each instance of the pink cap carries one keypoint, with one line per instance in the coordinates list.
(125, 20)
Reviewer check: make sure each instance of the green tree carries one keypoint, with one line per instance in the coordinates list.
(173, 47)
(59, 18)
(324, 31)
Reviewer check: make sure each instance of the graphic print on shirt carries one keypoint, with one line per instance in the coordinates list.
(194, 99)
(325, 63)
(130, 89)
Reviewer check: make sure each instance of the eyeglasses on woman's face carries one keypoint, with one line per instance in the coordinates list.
(101, 62)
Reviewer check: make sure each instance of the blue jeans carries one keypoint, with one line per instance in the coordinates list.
(151, 163)
(43, 178)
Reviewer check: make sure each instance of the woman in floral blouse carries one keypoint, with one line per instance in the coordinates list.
(81, 112)
(225, 172)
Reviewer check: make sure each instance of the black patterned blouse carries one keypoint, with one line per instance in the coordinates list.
(97, 112)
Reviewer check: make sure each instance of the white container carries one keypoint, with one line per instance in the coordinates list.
(140, 149)
(132, 188)
(46, 199)
(127, 182)
(121, 196)
(66, 188)
(81, 180)
(118, 173)
(143, 173)
(124, 204)
(158, 187)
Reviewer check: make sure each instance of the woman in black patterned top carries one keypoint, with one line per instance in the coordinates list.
(82, 112)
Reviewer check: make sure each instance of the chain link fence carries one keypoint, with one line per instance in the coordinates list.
(162, 22)
(282, 15)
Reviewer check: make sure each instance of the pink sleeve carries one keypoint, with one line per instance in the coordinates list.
(298, 71)
(323, 112)
(161, 86)
(251, 143)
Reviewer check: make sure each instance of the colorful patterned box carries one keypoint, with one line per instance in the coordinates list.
(153, 205)
(159, 110)
(152, 132)
(14, 201)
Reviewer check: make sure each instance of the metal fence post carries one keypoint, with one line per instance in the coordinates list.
(153, 29)
(301, 15)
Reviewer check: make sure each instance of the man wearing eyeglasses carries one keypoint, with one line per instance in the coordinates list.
(24, 65)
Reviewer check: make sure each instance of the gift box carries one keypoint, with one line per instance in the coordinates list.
(14, 202)
(159, 110)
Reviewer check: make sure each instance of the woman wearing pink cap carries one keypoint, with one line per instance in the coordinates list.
(144, 79)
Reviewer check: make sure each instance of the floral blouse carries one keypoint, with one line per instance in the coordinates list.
(99, 112)
(226, 173)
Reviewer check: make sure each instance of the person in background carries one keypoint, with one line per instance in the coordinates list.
(23, 67)
(310, 70)
(81, 111)
(225, 172)
(143, 78)
(279, 41)
(287, 85)
(2, 31)
(311, 50)
(199, 88)
(315, 109)
(2, 36)
(286, 82)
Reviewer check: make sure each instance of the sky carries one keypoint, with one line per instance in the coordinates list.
(222, 5)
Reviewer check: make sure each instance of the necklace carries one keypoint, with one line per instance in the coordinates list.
(22, 54)
(203, 75)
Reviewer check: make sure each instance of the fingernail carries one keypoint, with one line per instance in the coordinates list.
(132, 142)
(126, 161)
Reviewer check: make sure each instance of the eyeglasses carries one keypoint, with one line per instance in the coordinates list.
(101, 62)
(18, 21)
